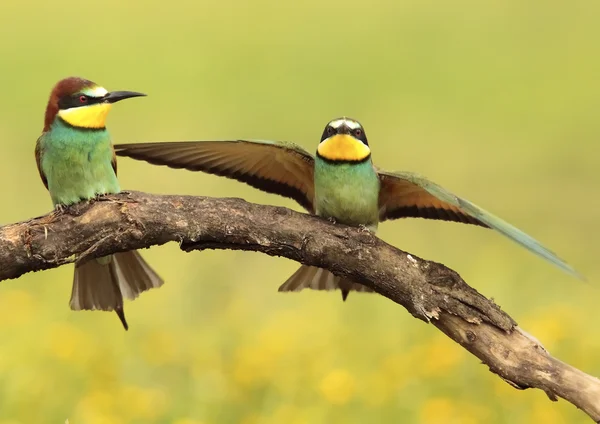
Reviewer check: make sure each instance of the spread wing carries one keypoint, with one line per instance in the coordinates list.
(404, 194)
(275, 167)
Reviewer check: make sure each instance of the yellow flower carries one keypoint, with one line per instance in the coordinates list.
(338, 387)
(69, 343)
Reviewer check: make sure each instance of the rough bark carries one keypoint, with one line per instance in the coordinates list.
(429, 291)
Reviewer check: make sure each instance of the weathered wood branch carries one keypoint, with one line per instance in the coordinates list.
(428, 290)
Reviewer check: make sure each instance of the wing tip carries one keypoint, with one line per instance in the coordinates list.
(570, 270)
(578, 275)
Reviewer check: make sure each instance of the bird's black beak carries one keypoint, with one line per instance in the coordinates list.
(343, 129)
(117, 96)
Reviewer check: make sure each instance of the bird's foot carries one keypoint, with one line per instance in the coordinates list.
(89, 201)
(363, 228)
(121, 200)
(58, 211)
(109, 197)
(59, 208)
(128, 197)
(100, 197)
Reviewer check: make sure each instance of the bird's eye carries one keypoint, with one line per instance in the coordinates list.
(83, 99)
(358, 133)
(330, 131)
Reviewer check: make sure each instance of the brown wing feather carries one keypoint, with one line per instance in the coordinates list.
(278, 168)
(38, 161)
(113, 162)
(402, 198)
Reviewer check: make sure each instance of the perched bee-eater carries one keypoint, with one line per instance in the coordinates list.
(340, 183)
(76, 160)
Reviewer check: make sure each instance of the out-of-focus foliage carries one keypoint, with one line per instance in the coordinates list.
(498, 101)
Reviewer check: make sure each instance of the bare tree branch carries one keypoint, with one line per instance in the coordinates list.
(428, 290)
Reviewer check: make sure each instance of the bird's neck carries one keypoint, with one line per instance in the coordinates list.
(62, 130)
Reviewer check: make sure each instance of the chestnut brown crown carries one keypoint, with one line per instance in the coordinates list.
(63, 89)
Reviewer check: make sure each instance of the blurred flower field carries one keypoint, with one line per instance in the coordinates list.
(497, 101)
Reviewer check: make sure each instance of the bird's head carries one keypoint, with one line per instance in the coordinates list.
(81, 103)
(344, 140)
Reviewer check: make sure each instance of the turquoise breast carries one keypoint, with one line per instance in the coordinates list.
(77, 163)
(347, 192)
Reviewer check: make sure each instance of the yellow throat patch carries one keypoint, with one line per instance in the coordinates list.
(92, 116)
(343, 147)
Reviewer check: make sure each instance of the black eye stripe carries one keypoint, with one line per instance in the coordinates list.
(362, 137)
(329, 131)
(68, 102)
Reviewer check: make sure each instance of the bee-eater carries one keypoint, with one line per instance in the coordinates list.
(340, 183)
(76, 161)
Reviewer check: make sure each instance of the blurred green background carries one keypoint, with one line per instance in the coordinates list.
(498, 101)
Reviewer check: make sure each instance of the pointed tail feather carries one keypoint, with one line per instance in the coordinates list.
(101, 284)
(134, 274)
(95, 287)
(310, 277)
